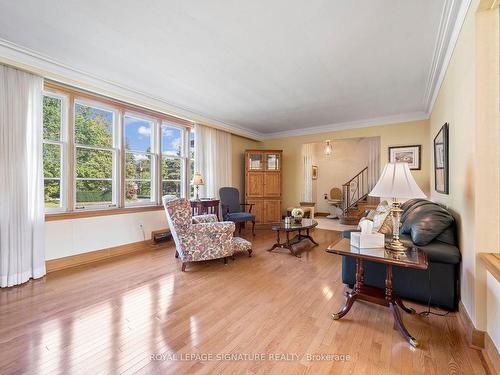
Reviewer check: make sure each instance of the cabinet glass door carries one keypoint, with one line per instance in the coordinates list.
(273, 162)
(255, 161)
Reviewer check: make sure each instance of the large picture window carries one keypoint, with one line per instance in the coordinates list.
(139, 159)
(95, 156)
(54, 150)
(100, 153)
(172, 164)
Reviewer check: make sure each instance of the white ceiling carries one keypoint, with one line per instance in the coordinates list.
(266, 66)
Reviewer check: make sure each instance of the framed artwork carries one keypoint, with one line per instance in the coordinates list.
(406, 154)
(315, 172)
(441, 160)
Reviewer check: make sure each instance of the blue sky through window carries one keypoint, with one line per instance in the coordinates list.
(137, 134)
(171, 139)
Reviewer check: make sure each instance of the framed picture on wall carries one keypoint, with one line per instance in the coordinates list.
(315, 172)
(441, 160)
(406, 154)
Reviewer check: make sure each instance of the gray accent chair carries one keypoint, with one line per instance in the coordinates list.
(233, 210)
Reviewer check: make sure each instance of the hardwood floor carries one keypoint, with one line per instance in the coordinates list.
(111, 317)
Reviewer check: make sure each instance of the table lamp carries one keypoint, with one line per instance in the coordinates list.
(197, 181)
(396, 182)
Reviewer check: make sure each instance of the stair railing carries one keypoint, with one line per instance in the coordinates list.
(355, 190)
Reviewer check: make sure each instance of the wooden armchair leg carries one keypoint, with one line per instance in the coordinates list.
(239, 227)
(253, 228)
(225, 260)
(183, 268)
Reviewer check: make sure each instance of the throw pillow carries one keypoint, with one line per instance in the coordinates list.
(411, 205)
(371, 214)
(426, 222)
(387, 225)
(381, 213)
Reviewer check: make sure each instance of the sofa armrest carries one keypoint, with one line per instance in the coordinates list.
(209, 218)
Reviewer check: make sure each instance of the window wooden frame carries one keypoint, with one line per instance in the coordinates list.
(115, 155)
(63, 144)
(190, 193)
(121, 109)
(153, 154)
(183, 158)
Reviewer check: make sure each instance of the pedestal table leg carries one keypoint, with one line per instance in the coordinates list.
(353, 295)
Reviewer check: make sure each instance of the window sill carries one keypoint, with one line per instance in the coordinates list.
(492, 263)
(102, 212)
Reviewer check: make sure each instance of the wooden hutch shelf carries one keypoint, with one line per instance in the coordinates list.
(263, 184)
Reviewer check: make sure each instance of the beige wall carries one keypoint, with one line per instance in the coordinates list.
(409, 133)
(349, 157)
(455, 105)
(239, 145)
(468, 101)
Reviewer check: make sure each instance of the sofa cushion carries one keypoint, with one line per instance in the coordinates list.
(449, 235)
(437, 251)
(425, 221)
(410, 205)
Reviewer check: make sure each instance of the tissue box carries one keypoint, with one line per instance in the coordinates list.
(367, 240)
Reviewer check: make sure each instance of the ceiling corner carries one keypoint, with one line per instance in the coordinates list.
(452, 19)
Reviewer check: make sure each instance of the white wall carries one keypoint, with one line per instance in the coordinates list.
(493, 308)
(70, 237)
(349, 157)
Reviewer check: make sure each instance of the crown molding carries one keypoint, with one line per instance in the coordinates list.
(366, 123)
(452, 19)
(34, 62)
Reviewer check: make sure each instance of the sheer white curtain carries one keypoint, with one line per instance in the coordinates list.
(373, 161)
(307, 158)
(213, 151)
(22, 247)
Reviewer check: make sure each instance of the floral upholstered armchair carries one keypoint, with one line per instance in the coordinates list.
(199, 237)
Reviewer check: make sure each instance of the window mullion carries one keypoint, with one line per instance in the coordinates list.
(121, 157)
(71, 157)
(159, 164)
(58, 144)
(100, 148)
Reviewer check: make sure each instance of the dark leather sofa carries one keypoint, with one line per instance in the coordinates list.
(430, 227)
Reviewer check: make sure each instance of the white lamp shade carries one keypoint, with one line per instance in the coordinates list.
(197, 179)
(396, 181)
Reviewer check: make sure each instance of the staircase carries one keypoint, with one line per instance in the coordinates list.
(355, 199)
